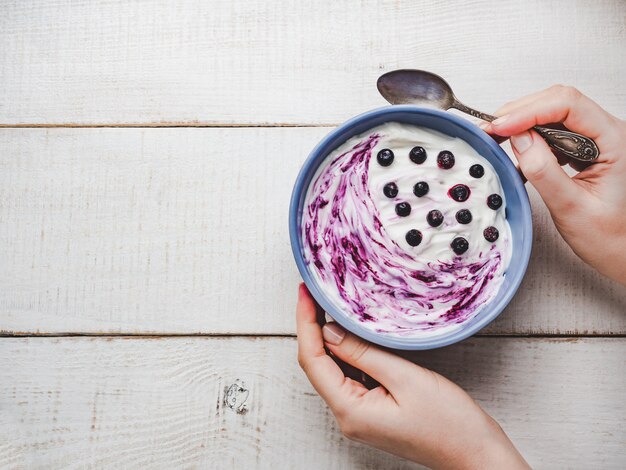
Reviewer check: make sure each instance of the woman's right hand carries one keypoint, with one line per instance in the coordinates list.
(414, 413)
(589, 209)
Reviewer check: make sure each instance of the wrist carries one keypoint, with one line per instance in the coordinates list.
(484, 445)
(494, 450)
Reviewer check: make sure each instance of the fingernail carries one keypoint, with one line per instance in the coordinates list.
(333, 333)
(485, 126)
(500, 120)
(522, 142)
(302, 290)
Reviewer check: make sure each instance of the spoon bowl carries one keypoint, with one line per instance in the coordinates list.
(416, 87)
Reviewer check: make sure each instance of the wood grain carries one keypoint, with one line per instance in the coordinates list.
(185, 231)
(252, 61)
(155, 403)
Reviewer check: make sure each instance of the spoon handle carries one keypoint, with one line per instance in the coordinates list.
(570, 144)
(472, 112)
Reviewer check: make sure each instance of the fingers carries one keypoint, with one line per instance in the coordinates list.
(523, 101)
(542, 169)
(507, 108)
(486, 126)
(557, 104)
(391, 371)
(323, 373)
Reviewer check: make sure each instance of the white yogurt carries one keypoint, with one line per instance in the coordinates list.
(435, 246)
(356, 245)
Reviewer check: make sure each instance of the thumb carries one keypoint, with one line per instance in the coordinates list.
(541, 167)
(390, 370)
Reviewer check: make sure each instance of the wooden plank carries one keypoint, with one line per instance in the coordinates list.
(160, 403)
(185, 231)
(253, 61)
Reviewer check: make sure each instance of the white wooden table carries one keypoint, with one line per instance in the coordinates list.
(147, 288)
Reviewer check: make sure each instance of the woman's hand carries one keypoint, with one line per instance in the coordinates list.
(589, 209)
(415, 413)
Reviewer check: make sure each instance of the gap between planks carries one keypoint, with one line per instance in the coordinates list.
(151, 125)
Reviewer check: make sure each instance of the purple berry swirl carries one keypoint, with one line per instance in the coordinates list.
(398, 232)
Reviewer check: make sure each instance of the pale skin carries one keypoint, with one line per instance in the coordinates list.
(420, 415)
(588, 208)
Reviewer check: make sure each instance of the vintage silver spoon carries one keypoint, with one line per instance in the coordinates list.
(425, 88)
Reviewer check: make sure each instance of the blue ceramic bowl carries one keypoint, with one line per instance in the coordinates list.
(517, 213)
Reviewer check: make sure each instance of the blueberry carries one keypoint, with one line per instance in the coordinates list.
(421, 189)
(390, 190)
(385, 157)
(403, 209)
(418, 155)
(434, 218)
(464, 216)
(491, 234)
(477, 171)
(445, 160)
(459, 192)
(494, 201)
(459, 245)
(413, 237)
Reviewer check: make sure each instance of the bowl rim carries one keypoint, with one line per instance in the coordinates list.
(343, 318)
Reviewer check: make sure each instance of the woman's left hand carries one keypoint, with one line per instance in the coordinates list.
(415, 413)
